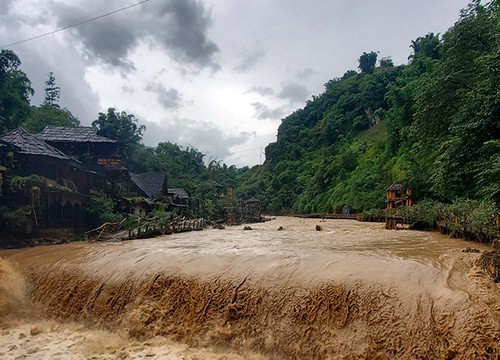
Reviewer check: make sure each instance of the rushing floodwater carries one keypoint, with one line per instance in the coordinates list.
(352, 290)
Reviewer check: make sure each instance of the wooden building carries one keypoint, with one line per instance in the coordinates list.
(95, 152)
(54, 183)
(397, 197)
(150, 187)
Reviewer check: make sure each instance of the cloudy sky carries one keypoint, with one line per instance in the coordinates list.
(215, 75)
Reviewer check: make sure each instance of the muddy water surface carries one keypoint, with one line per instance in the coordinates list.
(352, 290)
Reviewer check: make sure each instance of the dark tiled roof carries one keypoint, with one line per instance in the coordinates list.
(181, 193)
(152, 184)
(29, 144)
(72, 134)
(396, 187)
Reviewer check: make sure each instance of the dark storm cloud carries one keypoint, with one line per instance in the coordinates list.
(293, 92)
(206, 137)
(250, 60)
(180, 26)
(261, 90)
(169, 99)
(108, 39)
(5, 7)
(304, 74)
(263, 112)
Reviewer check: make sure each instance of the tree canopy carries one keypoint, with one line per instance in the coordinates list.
(15, 91)
(120, 126)
(52, 91)
(367, 62)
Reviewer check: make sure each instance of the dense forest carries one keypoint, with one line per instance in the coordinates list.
(431, 125)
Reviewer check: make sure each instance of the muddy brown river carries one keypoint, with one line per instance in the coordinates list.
(351, 291)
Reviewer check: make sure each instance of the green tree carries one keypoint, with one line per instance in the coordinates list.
(457, 109)
(427, 46)
(386, 62)
(52, 92)
(15, 90)
(46, 114)
(367, 62)
(122, 127)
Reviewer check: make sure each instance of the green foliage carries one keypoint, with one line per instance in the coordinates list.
(427, 46)
(467, 218)
(456, 132)
(432, 124)
(46, 114)
(16, 216)
(386, 62)
(26, 184)
(101, 209)
(122, 127)
(367, 62)
(52, 92)
(15, 90)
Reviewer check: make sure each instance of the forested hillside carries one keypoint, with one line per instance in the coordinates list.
(432, 125)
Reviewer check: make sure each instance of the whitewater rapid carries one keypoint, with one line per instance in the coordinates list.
(352, 290)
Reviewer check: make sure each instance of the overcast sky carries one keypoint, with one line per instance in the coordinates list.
(215, 75)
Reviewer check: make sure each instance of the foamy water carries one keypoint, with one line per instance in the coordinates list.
(353, 290)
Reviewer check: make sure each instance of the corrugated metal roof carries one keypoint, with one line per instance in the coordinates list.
(29, 144)
(72, 134)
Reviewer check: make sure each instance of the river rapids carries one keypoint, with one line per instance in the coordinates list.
(351, 291)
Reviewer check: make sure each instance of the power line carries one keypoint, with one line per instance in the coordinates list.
(77, 24)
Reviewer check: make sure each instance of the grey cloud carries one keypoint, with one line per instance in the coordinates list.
(204, 136)
(107, 39)
(180, 26)
(185, 32)
(128, 89)
(263, 112)
(293, 92)
(69, 72)
(250, 60)
(5, 7)
(304, 74)
(261, 90)
(169, 99)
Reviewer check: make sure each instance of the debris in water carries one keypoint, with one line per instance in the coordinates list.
(318, 228)
(219, 226)
(247, 228)
(471, 250)
(280, 228)
(35, 331)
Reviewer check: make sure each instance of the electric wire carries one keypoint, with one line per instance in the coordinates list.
(76, 24)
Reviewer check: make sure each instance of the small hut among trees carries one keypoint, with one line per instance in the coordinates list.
(396, 198)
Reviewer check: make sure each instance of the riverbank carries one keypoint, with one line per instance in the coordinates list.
(351, 290)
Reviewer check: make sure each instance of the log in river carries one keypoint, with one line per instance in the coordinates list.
(351, 291)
